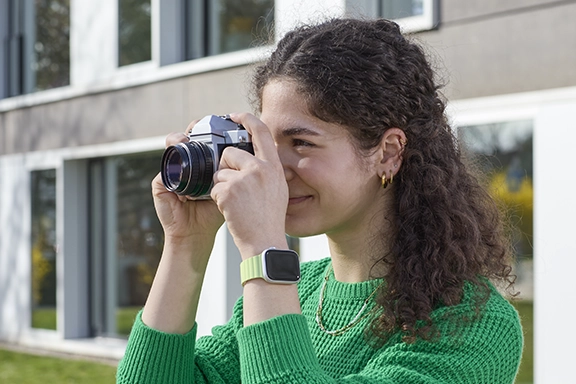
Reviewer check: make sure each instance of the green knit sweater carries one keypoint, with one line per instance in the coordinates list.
(293, 349)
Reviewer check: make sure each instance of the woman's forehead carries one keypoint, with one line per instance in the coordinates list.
(285, 109)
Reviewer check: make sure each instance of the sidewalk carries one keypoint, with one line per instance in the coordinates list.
(92, 357)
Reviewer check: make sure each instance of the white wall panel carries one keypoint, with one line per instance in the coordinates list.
(314, 248)
(291, 13)
(554, 245)
(552, 112)
(93, 41)
(15, 261)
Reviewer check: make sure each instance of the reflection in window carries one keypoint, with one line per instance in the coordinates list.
(134, 31)
(411, 15)
(503, 152)
(139, 238)
(220, 26)
(126, 240)
(37, 45)
(240, 22)
(396, 9)
(43, 195)
(52, 46)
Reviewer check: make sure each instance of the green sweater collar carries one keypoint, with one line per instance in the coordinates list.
(341, 290)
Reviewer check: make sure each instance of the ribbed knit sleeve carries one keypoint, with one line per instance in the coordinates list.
(153, 356)
(157, 357)
(277, 350)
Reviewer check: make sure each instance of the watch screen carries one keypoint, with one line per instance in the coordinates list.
(282, 265)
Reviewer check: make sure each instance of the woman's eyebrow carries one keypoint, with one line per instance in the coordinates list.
(299, 131)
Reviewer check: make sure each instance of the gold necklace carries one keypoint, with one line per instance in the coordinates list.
(359, 316)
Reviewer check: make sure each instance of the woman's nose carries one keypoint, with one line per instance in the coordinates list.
(286, 162)
(288, 172)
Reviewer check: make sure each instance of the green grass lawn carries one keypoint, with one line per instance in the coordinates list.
(526, 311)
(21, 368)
(125, 318)
(44, 318)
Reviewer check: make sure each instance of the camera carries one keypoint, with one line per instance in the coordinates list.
(188, 168)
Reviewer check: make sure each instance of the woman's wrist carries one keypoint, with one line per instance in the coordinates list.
(263, 301)
(256, 248)
(195, 249)
(173, 299)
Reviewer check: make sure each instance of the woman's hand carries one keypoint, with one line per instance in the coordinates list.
(185, 221)
(190, 228)
(251, 191)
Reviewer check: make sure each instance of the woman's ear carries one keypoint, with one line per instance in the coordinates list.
(391, 150)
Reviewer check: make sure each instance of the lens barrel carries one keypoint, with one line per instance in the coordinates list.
(188, 168)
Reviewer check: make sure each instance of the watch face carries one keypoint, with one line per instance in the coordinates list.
(282, 265)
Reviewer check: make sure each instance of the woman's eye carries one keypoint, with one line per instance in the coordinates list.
(301, 143)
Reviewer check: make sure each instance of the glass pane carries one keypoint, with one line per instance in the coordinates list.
(43, 188)
(52, 44)
(503, 152)
(240, 22)
(37, 45)
(139, 237)
(134, 31)
(397, 9)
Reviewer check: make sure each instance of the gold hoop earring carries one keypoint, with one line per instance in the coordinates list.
(384, 180)
(391, 177)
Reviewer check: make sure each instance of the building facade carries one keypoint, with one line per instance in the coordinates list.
(89, 89)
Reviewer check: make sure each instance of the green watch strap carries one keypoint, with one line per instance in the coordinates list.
(251, 268)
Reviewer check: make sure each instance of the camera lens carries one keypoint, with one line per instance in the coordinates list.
(188, 168)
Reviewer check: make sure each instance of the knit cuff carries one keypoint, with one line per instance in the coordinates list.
(153, 356)
(280, 347)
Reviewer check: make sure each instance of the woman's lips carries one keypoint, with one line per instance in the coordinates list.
(297, 200)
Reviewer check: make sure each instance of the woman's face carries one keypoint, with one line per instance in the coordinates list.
(332, 189)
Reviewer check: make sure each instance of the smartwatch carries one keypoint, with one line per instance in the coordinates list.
(277, 266)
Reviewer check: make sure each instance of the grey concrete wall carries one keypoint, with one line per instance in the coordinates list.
(138, 112)
(492, 47)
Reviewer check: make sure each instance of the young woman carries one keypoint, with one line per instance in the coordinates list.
(351, 141)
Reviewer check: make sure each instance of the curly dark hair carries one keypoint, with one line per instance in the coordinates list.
(366, 76)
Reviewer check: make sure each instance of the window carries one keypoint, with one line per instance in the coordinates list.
(503, 152)
(134, 31)
(220, 26)
(43, 247)
(126, 240)
(37, 46)
(401, 9)
(411, 15)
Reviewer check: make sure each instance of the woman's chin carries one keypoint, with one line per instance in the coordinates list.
(301, 228)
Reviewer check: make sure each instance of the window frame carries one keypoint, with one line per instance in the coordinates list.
(426, 21)
(373, 8)
(168, 60)
(201, 29)
(31, 196)
(105, 265)
(18, 58)
(119, 46)
(36, 162)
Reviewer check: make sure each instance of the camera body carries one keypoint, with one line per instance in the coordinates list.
(188, 168)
